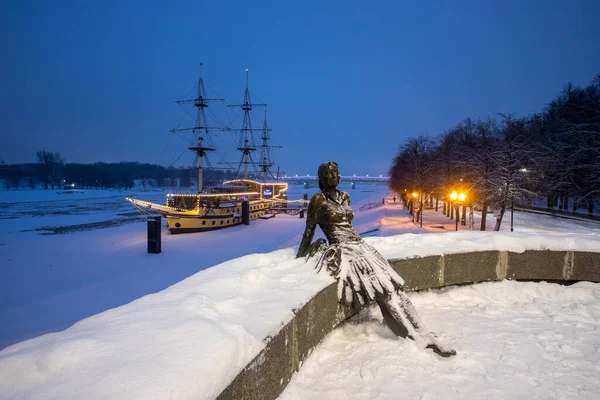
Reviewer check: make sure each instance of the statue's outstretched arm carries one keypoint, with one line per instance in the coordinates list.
(311, 225)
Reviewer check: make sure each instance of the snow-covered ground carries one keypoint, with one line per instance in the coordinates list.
(515, 340)
(181, 324)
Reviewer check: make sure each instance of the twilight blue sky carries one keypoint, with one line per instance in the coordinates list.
(345, 80)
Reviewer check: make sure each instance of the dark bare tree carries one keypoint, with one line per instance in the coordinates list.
(514, 153)
(570, 147)
(413, 169)
(50, 161)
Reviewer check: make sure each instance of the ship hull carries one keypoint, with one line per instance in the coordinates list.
(188, 224)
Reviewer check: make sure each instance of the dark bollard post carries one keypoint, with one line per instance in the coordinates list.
(305, 200)
(301, 214)
(154, 242)
(246, 212)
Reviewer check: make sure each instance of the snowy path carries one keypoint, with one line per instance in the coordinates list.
(396, 220)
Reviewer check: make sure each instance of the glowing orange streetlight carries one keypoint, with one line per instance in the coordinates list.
(458, 199)
(412, 205)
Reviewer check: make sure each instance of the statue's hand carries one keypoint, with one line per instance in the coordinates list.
(316, 247)
(309, 251)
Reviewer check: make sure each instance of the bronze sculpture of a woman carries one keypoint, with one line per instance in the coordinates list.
(363, 274)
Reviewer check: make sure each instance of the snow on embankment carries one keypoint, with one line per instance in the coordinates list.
(192, 339)
(515, 340)
(187, 341)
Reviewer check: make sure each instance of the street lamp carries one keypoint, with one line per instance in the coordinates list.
(458, 199)
(412, 207)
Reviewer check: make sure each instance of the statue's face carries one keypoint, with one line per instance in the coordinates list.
(332, 177)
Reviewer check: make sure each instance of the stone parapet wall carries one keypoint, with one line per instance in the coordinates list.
(269, 373)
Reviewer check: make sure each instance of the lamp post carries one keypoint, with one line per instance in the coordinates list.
(412, 201)
(512, 206)
(421, 209)
(458, 199)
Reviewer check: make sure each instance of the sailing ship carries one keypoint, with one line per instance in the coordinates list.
(221, 206)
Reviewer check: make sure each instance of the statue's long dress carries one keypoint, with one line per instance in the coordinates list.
(363, 274)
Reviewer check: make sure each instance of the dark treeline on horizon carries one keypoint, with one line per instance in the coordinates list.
(52, 172)
(553, 154)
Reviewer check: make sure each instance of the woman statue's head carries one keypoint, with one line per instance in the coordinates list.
(329, 176)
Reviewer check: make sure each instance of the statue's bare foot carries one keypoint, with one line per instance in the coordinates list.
(440, 350)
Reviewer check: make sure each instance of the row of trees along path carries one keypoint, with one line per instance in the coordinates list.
(553, 154)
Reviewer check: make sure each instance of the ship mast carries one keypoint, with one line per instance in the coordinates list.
(265, 155)
(200, 129)
(246, 146)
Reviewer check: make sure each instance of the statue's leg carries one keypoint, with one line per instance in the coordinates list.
(407, 323)
(409, 310)
(392, 322)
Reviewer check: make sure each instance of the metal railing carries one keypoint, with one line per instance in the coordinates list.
(372, 205)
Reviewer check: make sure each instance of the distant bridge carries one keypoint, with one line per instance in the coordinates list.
(349, 178)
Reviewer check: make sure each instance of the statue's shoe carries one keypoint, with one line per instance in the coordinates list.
(440, 350)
